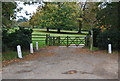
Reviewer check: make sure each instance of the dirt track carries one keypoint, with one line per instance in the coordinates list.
(88, 65)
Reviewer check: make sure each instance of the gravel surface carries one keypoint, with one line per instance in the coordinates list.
(86, 64)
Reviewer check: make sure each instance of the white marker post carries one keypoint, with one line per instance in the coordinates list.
(31, 48)
(19, 51)
(37, 46)
(91, 45)
(109, 48)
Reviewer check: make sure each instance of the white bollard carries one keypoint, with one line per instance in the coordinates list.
(31, 48)
(19, 51)
(109, 48)
(36, 45)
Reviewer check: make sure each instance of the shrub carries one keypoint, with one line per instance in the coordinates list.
(21, 37)
(5, 39)
(96, 32)
(109, 36)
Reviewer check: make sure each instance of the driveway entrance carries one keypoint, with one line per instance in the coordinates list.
(65, 63)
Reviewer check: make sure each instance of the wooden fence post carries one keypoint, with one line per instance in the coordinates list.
(67, 41)
(59, 40)
(53, 41)
(85, 41)
(46, 39)
(50, 40)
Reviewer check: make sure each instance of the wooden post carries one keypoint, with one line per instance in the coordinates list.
(67, 41)
(53, 41)
(50, 41)
(85, 41)
(46, 39)
(59, 40)
(19, 51)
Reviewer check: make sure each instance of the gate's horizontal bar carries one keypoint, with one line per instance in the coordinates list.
(38, 40)
(69, 36)
(40, 34)
(38, 37)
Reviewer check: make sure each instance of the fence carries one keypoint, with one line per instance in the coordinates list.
(39, 37)
(65, 40)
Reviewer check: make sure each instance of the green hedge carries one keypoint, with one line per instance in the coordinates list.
(109, 36)
(21, 37)
(96, 32)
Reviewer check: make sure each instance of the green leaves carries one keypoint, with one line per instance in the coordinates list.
(57, 15)
(7, 12)
(108, 16)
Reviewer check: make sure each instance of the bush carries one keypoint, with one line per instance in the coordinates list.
(21, 37)
(109, 36)
(96, 32)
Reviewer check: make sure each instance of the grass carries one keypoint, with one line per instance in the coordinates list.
(95, 48)
(12, 55)
(41, 44)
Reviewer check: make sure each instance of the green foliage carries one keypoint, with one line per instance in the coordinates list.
(107, 20)
(109, 36)
(96, 32)
(89, 15)
(21, 37)
(7, 13)
(109, 15)
(56, 16)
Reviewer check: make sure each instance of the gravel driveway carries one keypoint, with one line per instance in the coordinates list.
(88, 65)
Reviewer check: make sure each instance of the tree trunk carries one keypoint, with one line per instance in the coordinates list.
(80, 26)
(58, 31)
(48, 29)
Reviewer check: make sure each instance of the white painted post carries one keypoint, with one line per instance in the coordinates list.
(109, 48)
(19, 51)
(91, 45)
(31, 48)
(36, 45)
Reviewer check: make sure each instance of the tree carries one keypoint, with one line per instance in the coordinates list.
(89, 17)
(108, 16)
(57, 15)
(24, 24)
(22, 19)
(82, 8)
(8, 13)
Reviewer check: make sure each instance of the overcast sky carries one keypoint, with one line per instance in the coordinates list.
(26, 8)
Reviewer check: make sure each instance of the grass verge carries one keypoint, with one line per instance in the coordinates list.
(12, 55)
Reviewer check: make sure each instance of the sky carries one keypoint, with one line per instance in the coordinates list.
(28, 8)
